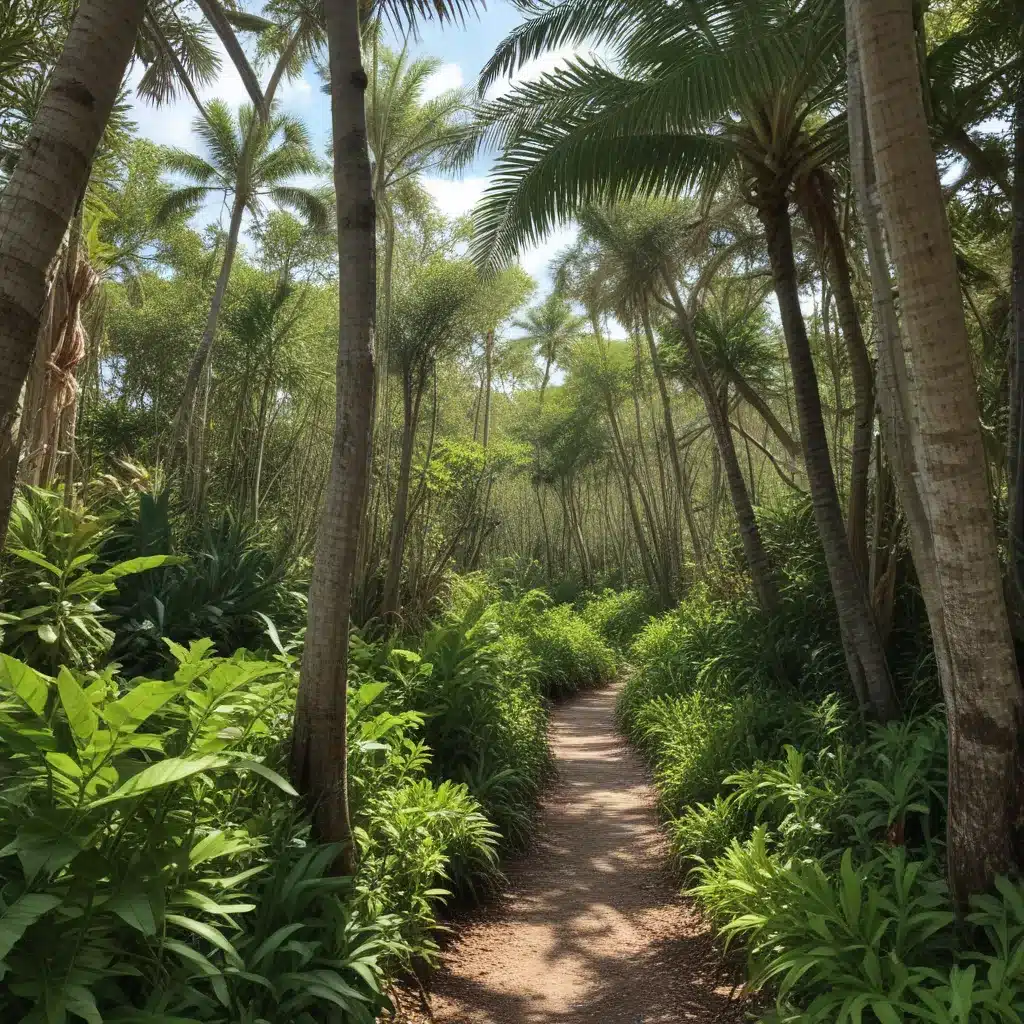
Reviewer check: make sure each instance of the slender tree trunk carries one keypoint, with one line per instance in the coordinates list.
(753, 548)
(399, 521)
(761, 407)
(865, 654)
(320, 742)
(1015, 441)
(987, 706)
(185, 425)
(45, 187)
(673, 443)
(818, 207)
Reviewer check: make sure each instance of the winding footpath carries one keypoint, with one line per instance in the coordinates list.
(592, 929)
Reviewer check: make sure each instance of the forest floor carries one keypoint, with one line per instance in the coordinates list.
(592, 929)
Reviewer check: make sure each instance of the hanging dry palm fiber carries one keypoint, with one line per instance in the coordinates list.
(51, 401)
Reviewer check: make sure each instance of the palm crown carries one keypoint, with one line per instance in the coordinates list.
(278, 150)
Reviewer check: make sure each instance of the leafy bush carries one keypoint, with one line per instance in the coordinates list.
(618, 616)
(570, 654)
(814, 837)
(145, 822)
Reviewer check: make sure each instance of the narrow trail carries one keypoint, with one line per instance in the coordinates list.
(592, 929)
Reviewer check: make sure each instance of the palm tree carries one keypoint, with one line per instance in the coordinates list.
(549, 327)
(69, 120)
(251, 161)
(319, 744)
(37, 203)
(984, 698)
(744, 93)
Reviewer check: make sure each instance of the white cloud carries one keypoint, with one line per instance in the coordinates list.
(455, 198)
(537, 259)
(448, 76)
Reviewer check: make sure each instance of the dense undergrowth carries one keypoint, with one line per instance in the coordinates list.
(814, 838)
(155, 864)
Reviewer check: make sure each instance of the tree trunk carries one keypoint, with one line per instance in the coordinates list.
(865, 654)
(818, 207)
(761, 407)
(47, 184)
(396, 545)
(185, 425)
(320, 742)
(987, 706)
(757, 558)
(673, 444)
(1015, 440)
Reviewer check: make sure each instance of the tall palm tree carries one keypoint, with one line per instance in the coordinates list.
(250, 161)
(38, 204)
(39, 201)
(746, 92)
(549, 327)
(319, 745)
(984, 697)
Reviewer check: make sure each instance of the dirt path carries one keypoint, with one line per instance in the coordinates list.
(592, 929)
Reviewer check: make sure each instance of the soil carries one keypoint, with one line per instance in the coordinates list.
(592, 928)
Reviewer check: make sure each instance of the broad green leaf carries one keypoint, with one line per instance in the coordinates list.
(36, 559)
(81, 716)
(47, 633)
(28, 684)
(247, 764)
(273, 942)
(163, 773)
(135, 909)
(99, 583)
(22, 913)
(80, 1001)
(143, 700)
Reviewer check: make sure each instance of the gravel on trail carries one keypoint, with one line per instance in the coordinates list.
(592, 928)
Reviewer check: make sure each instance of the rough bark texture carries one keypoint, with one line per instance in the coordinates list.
(46, 186)
(320, 748)
(818, 206)
(863, 646)
(987, 703)
(1015, 445)
(753, 548)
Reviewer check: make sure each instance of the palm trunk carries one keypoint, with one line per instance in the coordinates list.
(396, 546)
(47, 184)
(320, 741)
(753, 548)
(673, 444)
(1015, 441)
(761, 407)
(185, 419)
(865, 655)
(819, 211)
(987, 705)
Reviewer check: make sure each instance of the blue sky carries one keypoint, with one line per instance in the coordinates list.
(463, 49)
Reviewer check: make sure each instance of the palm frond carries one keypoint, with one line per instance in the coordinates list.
(189, 165)
(218, 20)
(311, 205)
(180, 204)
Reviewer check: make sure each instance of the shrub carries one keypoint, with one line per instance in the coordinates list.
(618, 616)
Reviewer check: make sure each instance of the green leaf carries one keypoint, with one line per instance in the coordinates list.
(134, 909)
(247, 764)
(22, 913)
(47, 633)
(208, 932)
(99, 583)
(81, 716)
(143, 700)
(27, 684)
(36, 559)
(164, 773)
(80, 1001)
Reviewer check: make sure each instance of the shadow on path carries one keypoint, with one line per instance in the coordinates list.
(592, 929)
